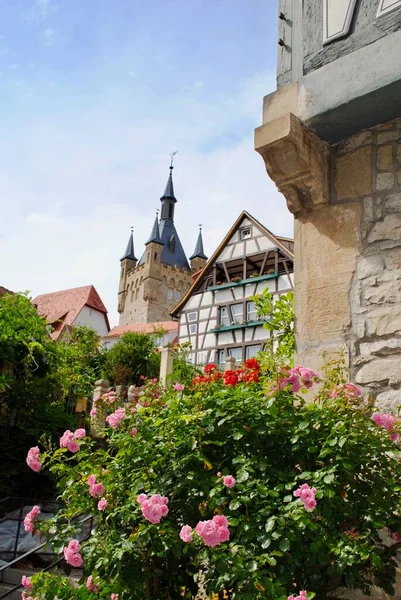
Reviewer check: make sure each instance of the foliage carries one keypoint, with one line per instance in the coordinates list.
(36, 374)
(133, 356)
(183, 370)
(271, 443)
(279, 319)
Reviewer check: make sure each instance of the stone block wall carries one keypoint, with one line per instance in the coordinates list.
(348, 269)
(374, 337)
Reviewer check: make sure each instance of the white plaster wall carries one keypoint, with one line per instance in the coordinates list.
(90, 317)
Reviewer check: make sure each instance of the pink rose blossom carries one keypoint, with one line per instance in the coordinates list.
(91, 479)
(186, 534)
(229, 481)
(33, 459)
(28, 521)
(26, 582)
(179, 387)
(92, 412)
(154, 507)
(115, 418)
(132, 411)
(102, 504)
(395, 536)
(218, 474)
(133, 431)
(114, 596)
(141, 498)
(72, 555)
(90, 585)
(97, 490)
(214, 531)
(79, 434)
(307, 496)
(67, 440)
(302, 596)
(298, 378)
(384, 420)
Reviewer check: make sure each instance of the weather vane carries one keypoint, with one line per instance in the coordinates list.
(200, 226)
(172, 158)
(132, 229)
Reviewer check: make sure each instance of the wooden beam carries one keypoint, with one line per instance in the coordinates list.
(214, 274)
(244, 269)
(262, 268)
(226, 272)
(276, 261)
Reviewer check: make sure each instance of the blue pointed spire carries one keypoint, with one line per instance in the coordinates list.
(155, 233)
(169, 189)
(199, 252)
(129, 251)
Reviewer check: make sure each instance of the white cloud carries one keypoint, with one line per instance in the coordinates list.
(40, 10)
(49, 35)
(87, 177)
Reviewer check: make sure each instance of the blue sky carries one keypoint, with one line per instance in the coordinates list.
(94, 97)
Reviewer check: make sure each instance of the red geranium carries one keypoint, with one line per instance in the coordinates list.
(252, 363)
(210, 368)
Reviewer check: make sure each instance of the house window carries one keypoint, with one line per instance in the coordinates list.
(170, 293)
(245, 233)
(224, 316)
(237, 313)
(192, 316)
(155, 255)
(193, 329)
(251, 351)
(177, 295)
(202, 357)
(235, 353)
(221, 357)
(251, 312)
(90, 312)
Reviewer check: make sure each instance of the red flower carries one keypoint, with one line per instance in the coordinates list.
(210, 368)
(251, 377)
(252, 363)
(230, 378)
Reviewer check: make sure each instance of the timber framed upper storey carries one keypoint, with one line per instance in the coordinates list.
(217, 315)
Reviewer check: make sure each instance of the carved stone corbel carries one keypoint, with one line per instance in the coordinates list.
(296, 160)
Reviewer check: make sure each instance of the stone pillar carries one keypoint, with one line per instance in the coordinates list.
(229, 365)
(98, 421)
(166, 364)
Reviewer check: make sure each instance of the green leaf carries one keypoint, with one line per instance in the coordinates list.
(234, 505)
(270, 525)
(329, 478)
(284, 544)
(238, 435)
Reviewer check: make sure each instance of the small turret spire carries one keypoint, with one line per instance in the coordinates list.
(155, 233)
(129, 251)
(199, 252)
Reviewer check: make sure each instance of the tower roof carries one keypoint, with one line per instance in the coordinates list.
(129, 251)
(169, 189)
(199, 252)
(155, 233)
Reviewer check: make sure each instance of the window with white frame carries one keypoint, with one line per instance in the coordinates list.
(221, 357)
(193, 328)
(192, 316)
(224, 316)
(246, 233)
(170, 293)
(237, 313)
(251, 351)
(236, 353)
(251, 312)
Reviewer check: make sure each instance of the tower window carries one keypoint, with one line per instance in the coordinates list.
(178, 295)
(170, 211)
(170, 293)
(155, 255)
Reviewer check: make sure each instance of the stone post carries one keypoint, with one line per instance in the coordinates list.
(229, 365)
(98, 420)
(332, 144)
(166, 364)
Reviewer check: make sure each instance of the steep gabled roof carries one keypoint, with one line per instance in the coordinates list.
(62, 308)
(244, 215)
(199, 252)
(129, 251)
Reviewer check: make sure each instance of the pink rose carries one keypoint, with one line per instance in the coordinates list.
(102, 504)
(218, 474)
(91, 479)
(214, 531)
(33, 459)
(229, 481)
(74, 546)
(28, 521)
(179, 387)
(79, 434)
(141, 498)
(114, 596)
(154, 508)
(26, 582)
(96, 490)
(186, 534)
(71, 554)
(90, 585)
(92, 412)
(133, 431)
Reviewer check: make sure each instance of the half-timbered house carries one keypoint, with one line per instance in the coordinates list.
(217, 315)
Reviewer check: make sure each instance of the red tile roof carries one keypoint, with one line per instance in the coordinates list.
(62, 308)
(4, 290)
(142, 328)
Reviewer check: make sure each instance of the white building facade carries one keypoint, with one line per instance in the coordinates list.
(217, 316)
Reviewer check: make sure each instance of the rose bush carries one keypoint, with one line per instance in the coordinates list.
(234, 480)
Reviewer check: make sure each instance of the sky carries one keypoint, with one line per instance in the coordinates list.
(94, 96)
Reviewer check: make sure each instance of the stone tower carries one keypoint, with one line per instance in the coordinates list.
(331, 141)
(151, 287)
